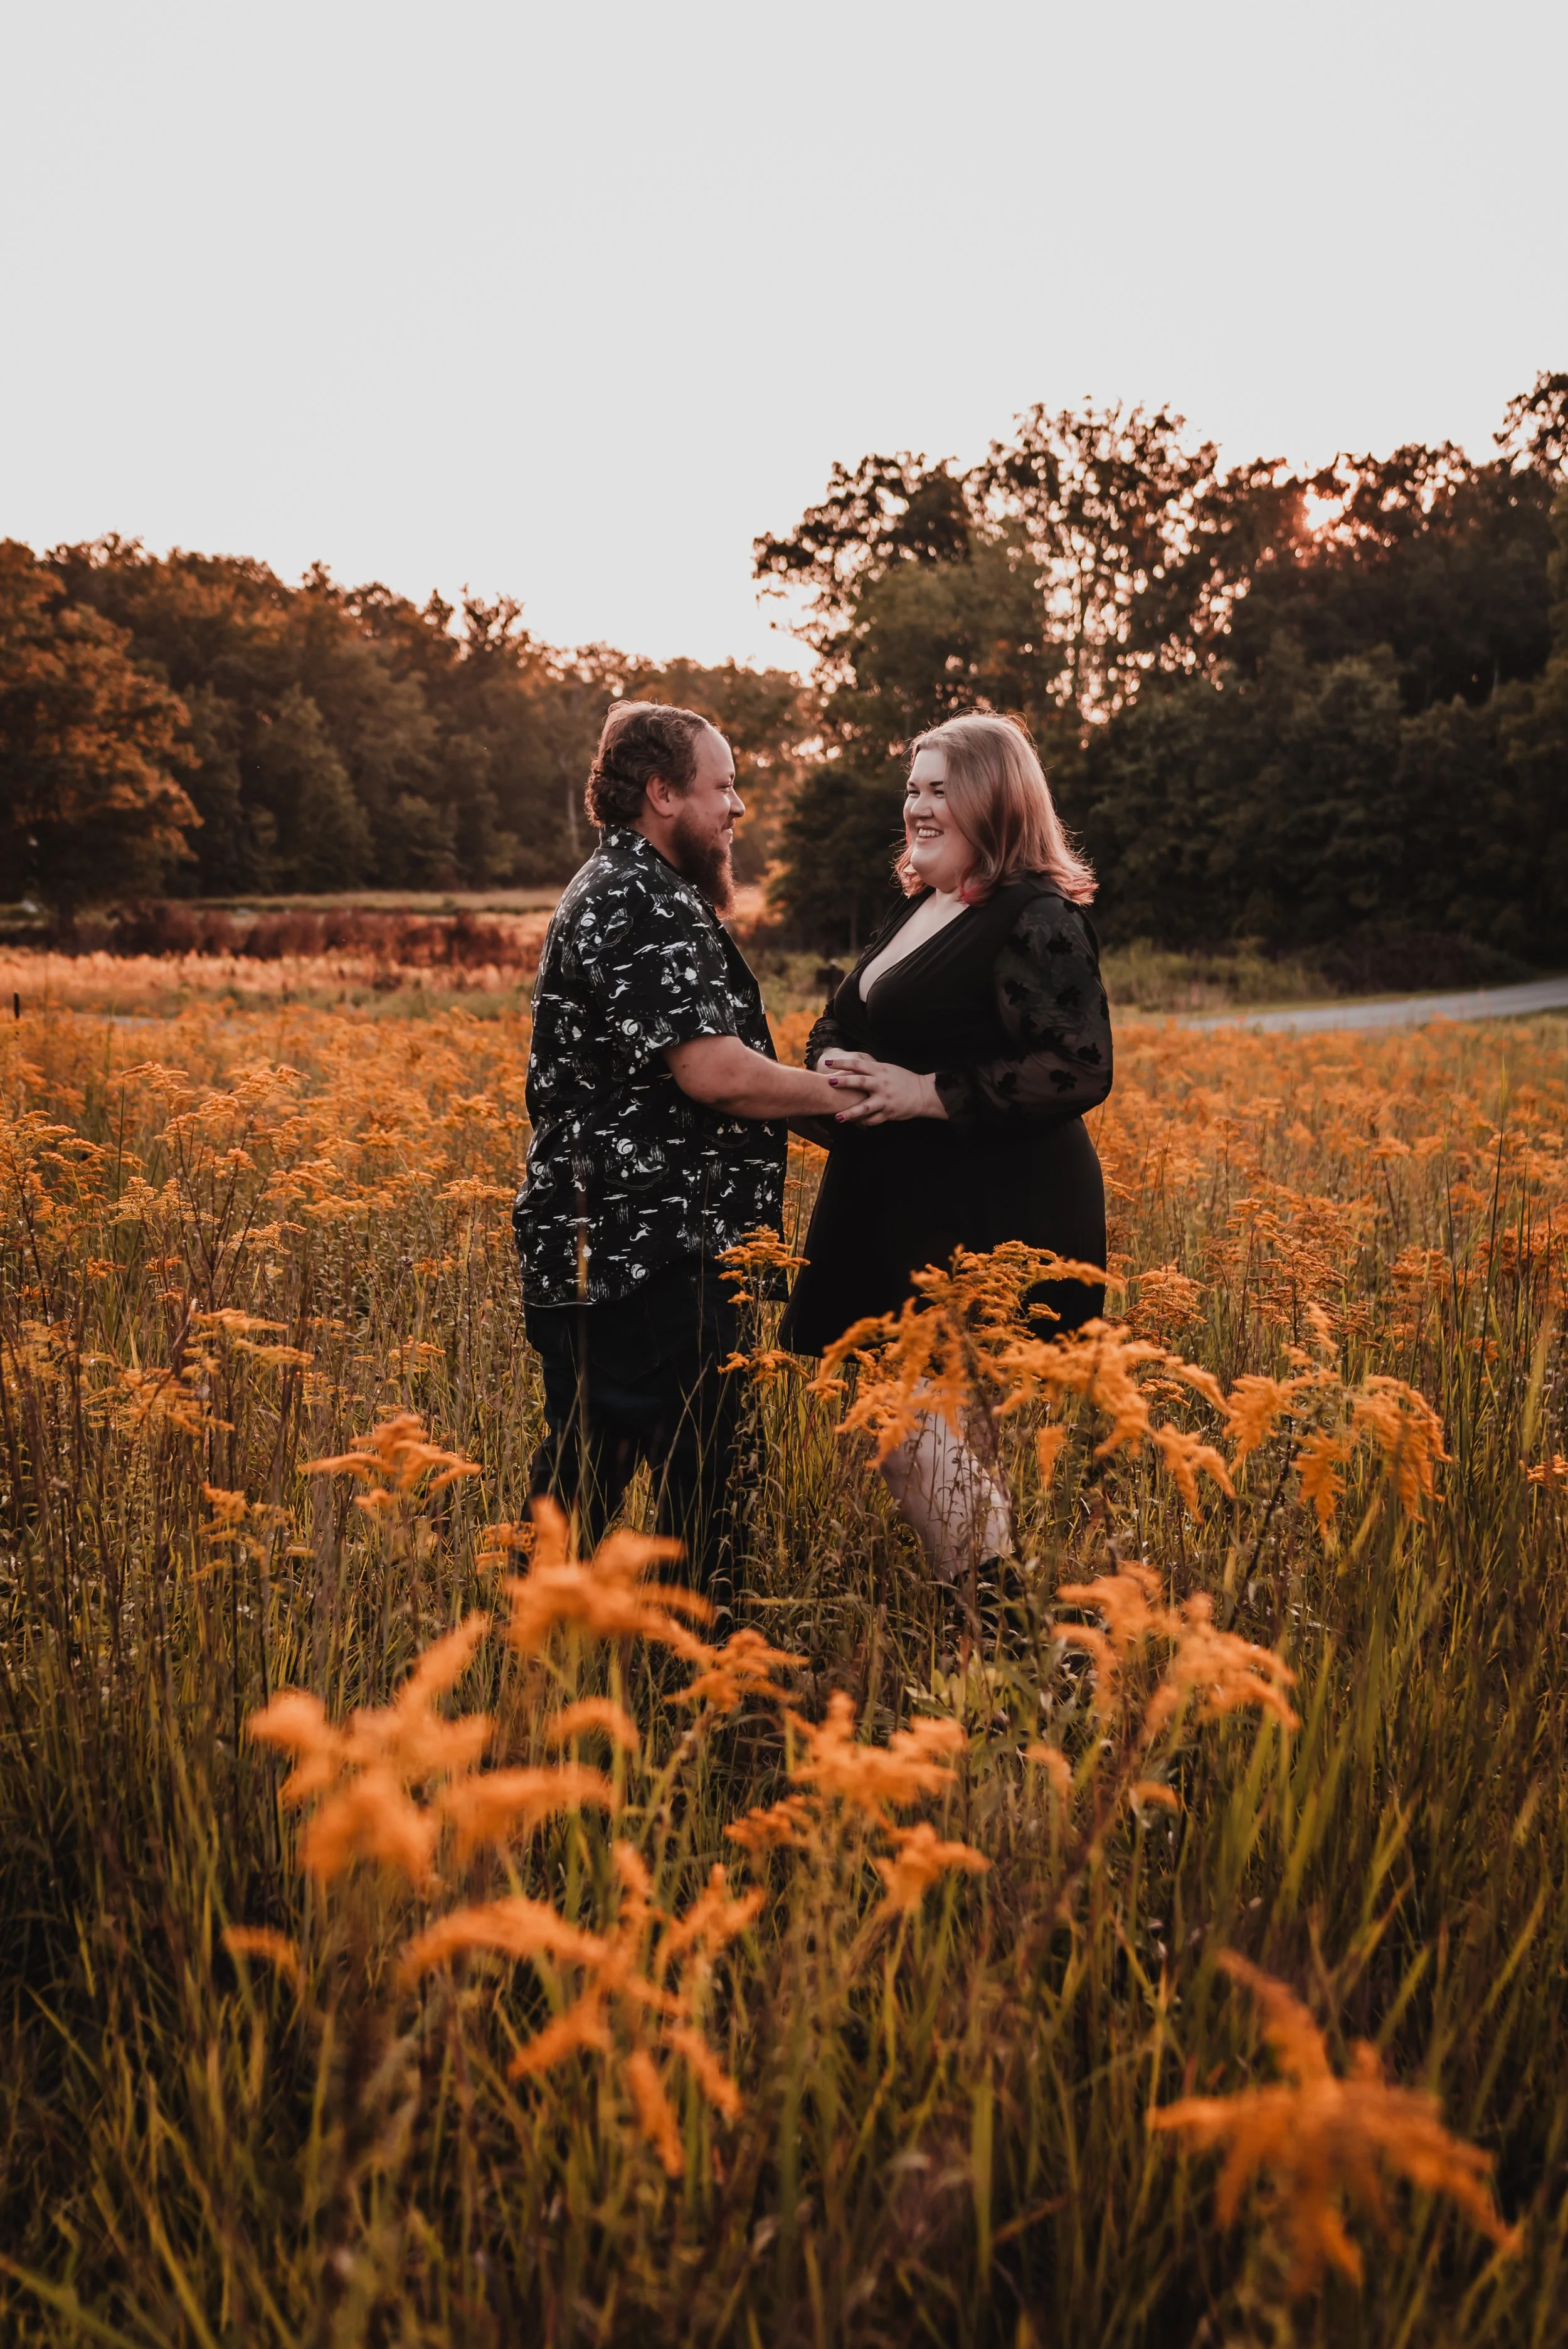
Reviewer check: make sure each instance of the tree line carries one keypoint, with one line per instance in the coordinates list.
(189, 723)
(1276, 707)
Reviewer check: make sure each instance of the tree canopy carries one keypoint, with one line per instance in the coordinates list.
(90, 748)
(320, 737)
(1277, 705)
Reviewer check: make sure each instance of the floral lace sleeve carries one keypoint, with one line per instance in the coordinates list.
(1052, 1004)
(827, 1035)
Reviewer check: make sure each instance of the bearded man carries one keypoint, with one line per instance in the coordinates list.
(659, 1115)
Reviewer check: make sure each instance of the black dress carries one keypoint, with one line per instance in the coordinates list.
(1006, 1007)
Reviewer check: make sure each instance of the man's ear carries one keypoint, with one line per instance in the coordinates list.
(663, 796)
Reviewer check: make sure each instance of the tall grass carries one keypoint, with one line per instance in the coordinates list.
(243, 1255)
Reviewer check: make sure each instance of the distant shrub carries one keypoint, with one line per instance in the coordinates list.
(164, 926)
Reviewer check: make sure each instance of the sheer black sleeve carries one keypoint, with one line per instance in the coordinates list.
(1053, 1006)
(827, 1035)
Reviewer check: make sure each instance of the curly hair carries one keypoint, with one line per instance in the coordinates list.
(641, 739)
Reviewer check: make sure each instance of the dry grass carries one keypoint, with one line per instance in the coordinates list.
(592, 1979)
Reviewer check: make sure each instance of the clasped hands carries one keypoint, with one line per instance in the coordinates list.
(881, 1093)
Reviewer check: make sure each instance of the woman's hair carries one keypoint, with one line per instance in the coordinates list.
(641, 739)
(1002, 803)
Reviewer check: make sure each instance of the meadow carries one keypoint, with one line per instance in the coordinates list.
(413, 1934)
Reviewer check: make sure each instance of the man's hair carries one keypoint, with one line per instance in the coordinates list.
(641, 739)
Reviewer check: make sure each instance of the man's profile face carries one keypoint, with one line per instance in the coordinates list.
(703, 829)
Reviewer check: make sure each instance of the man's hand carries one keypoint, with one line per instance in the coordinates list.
(879, 1092)
(724, 1074)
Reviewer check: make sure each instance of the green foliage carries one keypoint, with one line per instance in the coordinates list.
(89, 747)
(1441, 561)
(1302, 804)
(1277, 708)
(839, 842)
(334, 738)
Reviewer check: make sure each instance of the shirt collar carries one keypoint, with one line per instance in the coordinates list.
(620, 839)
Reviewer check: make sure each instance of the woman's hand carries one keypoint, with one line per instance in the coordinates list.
(887, 1094)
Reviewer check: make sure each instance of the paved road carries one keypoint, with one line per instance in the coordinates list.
(1407, 1011)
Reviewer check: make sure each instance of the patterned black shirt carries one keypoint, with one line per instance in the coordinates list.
(635, 960)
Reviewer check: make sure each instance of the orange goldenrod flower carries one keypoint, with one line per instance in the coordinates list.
(594, 1713)
(1222, 1668)
(1322, 2140)
(1320, 1464)
(297, 1722)
(371, 1817)
(740, 1670)
(1252, 1409)
(513, 1928)
(1184, 1454)
(364, 1771)
(706, 2070)
(398, 1454)
(275, 1948)
(1127, 1600)
(714, 1920)
(1058, 1770)
(920, 1857)
(781, 1826)
(870, 1778)
(1224, 1671)
(496, 1805)
(606, 1595)
(1048, 1443)
(228, 1513)
(1407, 1432)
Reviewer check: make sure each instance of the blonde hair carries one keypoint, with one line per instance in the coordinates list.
(1002, 803)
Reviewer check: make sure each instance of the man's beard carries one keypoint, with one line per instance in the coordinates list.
(706, 863)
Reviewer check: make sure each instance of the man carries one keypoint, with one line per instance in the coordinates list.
(659, 1118)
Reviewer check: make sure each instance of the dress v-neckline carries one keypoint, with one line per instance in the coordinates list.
(865, 993)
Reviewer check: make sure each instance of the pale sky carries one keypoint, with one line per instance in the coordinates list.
(573, 302)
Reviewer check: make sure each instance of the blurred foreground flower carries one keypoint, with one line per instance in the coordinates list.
(1322, 2139)
(364, 1771)
(627, 2009)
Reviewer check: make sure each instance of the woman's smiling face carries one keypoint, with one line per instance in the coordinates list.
(938, 852)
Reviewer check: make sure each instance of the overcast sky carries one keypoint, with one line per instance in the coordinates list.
(572, 302)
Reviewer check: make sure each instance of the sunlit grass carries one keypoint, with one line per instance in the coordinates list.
(466, 2058)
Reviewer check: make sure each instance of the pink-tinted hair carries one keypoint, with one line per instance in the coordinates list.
(1002, 803)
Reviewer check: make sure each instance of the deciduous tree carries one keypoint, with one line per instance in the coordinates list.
(90, 803)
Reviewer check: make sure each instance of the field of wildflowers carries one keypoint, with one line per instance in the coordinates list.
(416, 1934)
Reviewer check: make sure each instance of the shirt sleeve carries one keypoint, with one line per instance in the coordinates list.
(1053, 1007)
(658, 972)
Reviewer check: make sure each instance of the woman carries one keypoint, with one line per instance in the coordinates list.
(976, 1026)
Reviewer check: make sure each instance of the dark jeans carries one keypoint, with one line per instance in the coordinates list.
(638, 1380)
